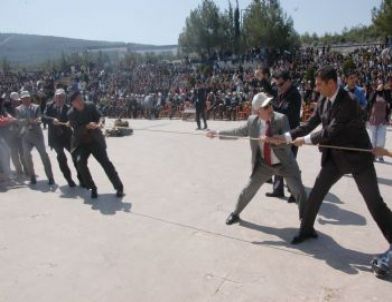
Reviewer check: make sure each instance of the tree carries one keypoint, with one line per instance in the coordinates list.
(5, 65)
(237, 28)
(204, 31)
(382, 18)
(266, 25)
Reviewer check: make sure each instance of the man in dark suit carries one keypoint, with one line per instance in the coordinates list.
(263, 81)
(59, 135)
(267, 159)
(342, 125)
(88, 139)
(199, 99)
(287, 102)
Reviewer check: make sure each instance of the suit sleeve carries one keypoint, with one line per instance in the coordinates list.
(348, 113)
(96, 114)
(310, 125)
(242, 131)
(46, 117)
(38, 113)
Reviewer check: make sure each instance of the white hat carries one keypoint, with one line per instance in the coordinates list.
(14, 96)
(261, 100)
(60, 91)
(24, 94)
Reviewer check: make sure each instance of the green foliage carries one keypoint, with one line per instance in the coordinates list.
(266, 25)
(357, 34)
(382, 18)
(204, 30)
(5, 65)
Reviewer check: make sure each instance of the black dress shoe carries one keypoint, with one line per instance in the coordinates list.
(71, 183)
(291, 199)
(33, 181)
(301, 237)
(275, 194)
(51, 182)
(233, 218)
(94, 193)
(269, 181)
(120, 193)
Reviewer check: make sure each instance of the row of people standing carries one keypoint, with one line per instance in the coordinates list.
(75, 128)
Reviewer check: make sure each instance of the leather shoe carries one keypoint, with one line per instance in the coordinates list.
(291, 199)
(233, 218)
(51, 182)
(71, 183)
(301, 237)
(120, 193)
(275, 194)
(33, 181)
(94, 193)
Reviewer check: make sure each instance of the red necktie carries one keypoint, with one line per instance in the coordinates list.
(267, 147)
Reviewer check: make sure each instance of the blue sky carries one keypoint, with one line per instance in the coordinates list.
(159, 21)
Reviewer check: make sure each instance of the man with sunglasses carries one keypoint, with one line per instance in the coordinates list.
(287, 102)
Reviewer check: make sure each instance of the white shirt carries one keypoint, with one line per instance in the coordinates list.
(307, 138)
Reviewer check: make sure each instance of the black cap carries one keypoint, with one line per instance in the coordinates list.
(282, 74)
(73, 95)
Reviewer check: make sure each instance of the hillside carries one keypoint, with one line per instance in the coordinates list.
(33, 49)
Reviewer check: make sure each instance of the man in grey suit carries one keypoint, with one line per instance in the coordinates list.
(267, 159)
(29, 116)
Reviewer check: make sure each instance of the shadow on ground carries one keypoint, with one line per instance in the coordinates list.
(106, 204)
(325, 248)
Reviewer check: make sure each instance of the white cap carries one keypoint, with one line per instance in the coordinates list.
(261, 100)
(60, 91)
(14, 96)
(24, 94)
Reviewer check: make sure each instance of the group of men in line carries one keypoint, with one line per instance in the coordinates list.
(342, 126)
(74, 128)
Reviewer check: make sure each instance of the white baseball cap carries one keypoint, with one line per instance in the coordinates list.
(261, 100)
(24, 94)
(60, 91)
(14, 96)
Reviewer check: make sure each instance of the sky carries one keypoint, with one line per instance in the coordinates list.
(159, 22)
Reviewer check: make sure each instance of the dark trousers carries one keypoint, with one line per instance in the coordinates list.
(366, 181)
(83, 152)
(278, 183)
(200, 112)
(63, 163)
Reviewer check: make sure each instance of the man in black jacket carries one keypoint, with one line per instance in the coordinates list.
(199, 99)
(342, 126)
(287, 102)
(59, 134)
(88, 139)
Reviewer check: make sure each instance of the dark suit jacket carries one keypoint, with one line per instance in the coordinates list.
(199, 98)
(57, 135)
(289, 104)
(82, 135)
(343, 126)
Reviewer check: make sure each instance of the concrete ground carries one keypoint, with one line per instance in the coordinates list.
(166, 240)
